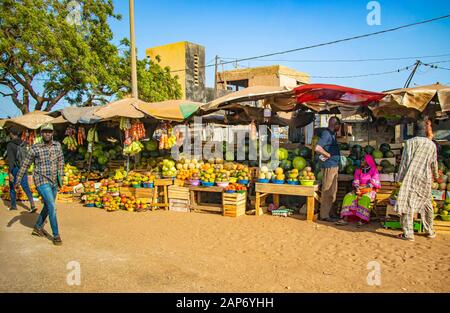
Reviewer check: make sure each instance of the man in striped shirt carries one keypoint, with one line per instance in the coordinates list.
(48, 174)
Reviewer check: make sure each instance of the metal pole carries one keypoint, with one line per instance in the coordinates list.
(215, 77)
(134, 87)
(410, 77)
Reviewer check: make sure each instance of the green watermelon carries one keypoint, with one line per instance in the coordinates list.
(305, 152)
(282, 154)
(82, 150)
(389, 169)
(151, 145)
(389, 154)
(299, 163)
(384, 147)
(377, 154)
(385, 163)
(369, 149)
(154, 154)
(286, 165)
(350, 170)
(102, 160)
(343, 146)
(441, 166)
(118, 148)
(319, 176)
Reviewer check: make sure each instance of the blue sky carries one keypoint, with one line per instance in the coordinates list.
(248, 28)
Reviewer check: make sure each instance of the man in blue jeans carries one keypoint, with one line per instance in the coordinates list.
(14, 164)
(48, 174)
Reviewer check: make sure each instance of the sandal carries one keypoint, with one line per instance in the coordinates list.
(403, 237)
(341, 223)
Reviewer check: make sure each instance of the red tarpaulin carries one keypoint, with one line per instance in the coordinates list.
(326, 92)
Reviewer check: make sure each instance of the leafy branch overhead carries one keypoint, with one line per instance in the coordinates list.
(52, 50)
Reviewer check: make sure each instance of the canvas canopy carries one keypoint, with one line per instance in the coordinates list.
(410, 101)
(32, 120)
(271, 95)
(173, 110)
(82, 115)
(120, 108)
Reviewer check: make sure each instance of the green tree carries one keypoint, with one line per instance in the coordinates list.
(54, 50)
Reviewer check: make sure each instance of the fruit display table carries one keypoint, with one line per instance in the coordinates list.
(310, 192)
(196, 200)
(161, 183)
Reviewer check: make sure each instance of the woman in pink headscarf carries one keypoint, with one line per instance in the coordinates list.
(357, 204)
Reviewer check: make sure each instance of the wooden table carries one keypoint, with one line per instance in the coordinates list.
(310, 192)
(159, 183)
(197, 204)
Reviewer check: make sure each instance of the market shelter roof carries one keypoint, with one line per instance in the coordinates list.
(81, 115)
(270, 94)
(323, 93)
(121, 108)
(173, 110)
(407, 100)
(32, 120)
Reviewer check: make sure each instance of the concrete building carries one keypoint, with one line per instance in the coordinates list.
(187, 61)
(275, 75)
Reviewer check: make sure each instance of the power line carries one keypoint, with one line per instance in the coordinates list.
(435, 66)
(355, 76)
(353, 60)
(329, 42)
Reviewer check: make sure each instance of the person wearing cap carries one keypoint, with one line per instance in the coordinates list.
(48, 174)
(14, 163)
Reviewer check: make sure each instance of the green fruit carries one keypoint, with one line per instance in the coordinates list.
(350, 170)
(377, 154)
(151, 145)
(299, 163)
(389, 154)
(369, 149)
(82, 150)
(384, 147)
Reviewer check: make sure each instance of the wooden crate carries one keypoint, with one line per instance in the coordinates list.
(179, 182)
(143, 192)
(442, 226)
(127, 191)
(234, 204)
(180, 193)
(178, 205)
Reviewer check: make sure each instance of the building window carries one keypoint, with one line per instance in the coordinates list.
(196, 70)
(236, 85)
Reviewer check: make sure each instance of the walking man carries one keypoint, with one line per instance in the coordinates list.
(48, 174)
(328, 149)
(16, 153)
(417, 168)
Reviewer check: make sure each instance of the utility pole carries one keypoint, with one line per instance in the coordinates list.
(134, 87)
(215, 76)
(410, 77)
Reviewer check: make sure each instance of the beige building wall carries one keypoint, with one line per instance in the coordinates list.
(275, 75)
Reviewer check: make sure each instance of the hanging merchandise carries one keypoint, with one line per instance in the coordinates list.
(70, 140)
(125, 123)
(252, 130)
(134, 148)
(167, 138)
(137, 131)
(81, 135)
(92, 135)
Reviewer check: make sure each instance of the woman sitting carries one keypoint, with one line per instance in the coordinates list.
(357, 204)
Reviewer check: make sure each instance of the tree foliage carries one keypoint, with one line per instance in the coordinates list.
(53, 50)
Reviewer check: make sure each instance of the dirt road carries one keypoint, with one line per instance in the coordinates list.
(165, 251)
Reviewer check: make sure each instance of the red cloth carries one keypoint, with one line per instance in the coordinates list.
(328, 92)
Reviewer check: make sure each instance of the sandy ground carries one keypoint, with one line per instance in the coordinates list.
(165, 251)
